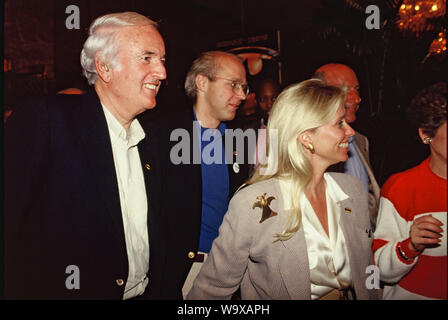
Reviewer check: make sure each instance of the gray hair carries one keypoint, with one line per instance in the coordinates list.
(206, 64)
(101, 40)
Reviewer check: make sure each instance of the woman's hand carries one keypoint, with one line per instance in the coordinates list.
(425, 231)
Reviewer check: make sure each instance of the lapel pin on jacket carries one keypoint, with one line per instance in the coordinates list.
(264, 203)
(348, 210)
(236, 167)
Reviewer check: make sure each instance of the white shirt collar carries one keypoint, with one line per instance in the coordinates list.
(131, 137)
(333, 190)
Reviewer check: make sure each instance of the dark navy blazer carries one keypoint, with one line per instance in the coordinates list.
(62, 206)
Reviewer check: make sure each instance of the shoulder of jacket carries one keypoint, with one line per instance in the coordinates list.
(360, 135)
(251, 191)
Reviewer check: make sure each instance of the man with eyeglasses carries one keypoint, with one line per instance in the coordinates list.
(216, 84)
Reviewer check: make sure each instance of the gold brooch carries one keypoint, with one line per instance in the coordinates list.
(264, 203)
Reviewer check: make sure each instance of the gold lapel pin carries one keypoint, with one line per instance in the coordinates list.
(264, 203)
(348, 210)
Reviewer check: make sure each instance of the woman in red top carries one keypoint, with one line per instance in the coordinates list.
(410, 239)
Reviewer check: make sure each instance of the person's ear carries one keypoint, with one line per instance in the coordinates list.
(103, 70)
(201, 82)
(304, 138)
(426, 139)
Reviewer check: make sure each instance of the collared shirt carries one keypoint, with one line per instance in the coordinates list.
(215, 185)
(327, 254)
(355, 167)
(134, 207)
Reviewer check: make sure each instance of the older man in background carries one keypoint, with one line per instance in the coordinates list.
(358, 163)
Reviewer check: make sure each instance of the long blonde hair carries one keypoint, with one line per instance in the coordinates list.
(301, 107)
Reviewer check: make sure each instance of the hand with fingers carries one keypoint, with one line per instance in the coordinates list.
(424, 232)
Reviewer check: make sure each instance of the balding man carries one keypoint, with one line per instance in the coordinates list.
(216, 84)
(358, 163)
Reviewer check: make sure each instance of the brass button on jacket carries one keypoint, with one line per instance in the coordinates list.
(120, 282)
(191, 255)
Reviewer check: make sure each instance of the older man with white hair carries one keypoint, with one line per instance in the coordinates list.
(83, 178)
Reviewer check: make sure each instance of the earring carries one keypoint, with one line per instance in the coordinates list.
(311, 147)
(427, 140)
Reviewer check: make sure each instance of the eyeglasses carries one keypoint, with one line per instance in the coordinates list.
(236, 86)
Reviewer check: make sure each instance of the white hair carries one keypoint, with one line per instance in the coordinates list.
(101, 40)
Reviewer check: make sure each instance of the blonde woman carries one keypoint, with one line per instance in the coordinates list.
(297, 233)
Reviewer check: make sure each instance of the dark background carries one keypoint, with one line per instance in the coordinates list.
(313, 32)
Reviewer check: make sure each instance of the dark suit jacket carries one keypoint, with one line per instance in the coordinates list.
(62, 204)
(184, 120)
(189, 185)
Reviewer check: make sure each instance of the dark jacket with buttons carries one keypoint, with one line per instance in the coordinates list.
(62, 205)
(184, 180)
